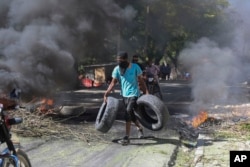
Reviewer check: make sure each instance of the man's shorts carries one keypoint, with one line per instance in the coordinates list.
(130, 105)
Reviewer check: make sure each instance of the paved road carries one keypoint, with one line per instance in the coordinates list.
(158, 151)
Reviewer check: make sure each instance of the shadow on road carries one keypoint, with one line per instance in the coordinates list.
(149, 140)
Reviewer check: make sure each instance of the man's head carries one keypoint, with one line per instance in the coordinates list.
(150, 62)
(122, 59)
(122, 56)
(135, 58)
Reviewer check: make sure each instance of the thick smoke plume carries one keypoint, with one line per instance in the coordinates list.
(218, 70)
(41, 40)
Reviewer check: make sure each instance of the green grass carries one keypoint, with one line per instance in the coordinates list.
(184, 158)
(245, 126)
(238, 131)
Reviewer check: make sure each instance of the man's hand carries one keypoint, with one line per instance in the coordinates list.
(105, 98)
(111, 86)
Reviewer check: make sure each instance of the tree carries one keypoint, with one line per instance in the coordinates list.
(168, 24)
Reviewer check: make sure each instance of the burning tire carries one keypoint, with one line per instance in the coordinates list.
(152, 112)
(72, 110)
(107, 114)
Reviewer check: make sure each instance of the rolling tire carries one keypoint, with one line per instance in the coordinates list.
(156, 120)
(107, 114)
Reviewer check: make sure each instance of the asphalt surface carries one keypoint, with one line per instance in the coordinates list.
(158, 149)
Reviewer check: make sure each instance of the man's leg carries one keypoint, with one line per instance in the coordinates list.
(126, 140)
(133, 106)
(128, 127)
(140, 129)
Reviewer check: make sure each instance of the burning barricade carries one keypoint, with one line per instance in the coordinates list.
(48, 106)
(189, 129)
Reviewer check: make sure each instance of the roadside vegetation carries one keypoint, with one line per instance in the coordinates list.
(239, 131)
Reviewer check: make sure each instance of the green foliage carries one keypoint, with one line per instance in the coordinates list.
(159, 30)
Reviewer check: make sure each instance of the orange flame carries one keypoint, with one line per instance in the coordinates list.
(46, 104)
(199, 119)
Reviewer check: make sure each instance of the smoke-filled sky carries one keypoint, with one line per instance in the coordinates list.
(40, 40)
(218, 70)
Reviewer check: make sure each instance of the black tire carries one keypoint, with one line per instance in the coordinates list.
(22, 157)
(107, 114)
(158, 94)
(159, 112)
(149, 112)
(71, 110)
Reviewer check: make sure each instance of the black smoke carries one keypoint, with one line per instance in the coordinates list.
(42, 41)
(220, 64)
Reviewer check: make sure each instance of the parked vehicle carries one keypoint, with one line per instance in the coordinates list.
(10, 156)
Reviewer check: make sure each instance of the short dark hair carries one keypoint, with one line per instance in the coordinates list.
(135, 56)
(122, 55)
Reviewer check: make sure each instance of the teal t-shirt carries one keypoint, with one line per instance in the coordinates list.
(128, 81)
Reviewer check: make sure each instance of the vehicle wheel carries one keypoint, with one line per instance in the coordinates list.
(107, 114)
(22, 157)
(152, 112)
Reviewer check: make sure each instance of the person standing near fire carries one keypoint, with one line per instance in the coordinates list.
(128, 74)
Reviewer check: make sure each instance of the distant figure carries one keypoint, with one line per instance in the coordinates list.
(163, 71)
(15, 93)
(187, 76)
(153, 70)
(135, 59)
(168, 71)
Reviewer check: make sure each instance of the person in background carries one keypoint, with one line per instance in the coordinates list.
(152, 69)
(168, 71)
(127, 74)
(135, 59)
(15, 95)
(164, 71)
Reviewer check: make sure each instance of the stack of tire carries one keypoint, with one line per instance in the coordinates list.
(151, 112)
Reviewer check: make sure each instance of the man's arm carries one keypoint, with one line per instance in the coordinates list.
(111, 85)
(142, 85)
